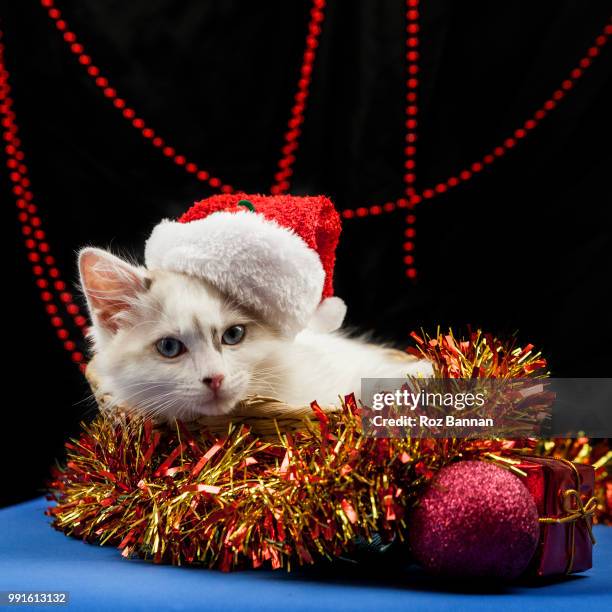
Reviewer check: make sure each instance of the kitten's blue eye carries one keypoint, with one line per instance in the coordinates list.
(170, 347)
(233, 335)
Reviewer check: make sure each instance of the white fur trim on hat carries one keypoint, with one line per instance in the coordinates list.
(253, 259)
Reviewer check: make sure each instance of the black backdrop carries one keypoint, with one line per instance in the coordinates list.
(523, 246)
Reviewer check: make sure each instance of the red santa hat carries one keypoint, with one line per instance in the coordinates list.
(274, 254)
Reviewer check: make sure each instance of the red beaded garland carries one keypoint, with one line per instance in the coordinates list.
(412, 56)
(518, 134)
(285, 165)
(34, 237)
(282, 178)
(118, 102)
(37, 247)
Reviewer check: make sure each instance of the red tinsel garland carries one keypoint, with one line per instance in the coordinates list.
(181, 495)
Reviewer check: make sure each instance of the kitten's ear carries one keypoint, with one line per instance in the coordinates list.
(111, 286)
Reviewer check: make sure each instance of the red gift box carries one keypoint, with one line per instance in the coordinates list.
(563, 492)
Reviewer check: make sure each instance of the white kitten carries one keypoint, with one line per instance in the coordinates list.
(171, 346)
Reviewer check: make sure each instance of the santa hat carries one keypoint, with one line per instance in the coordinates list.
(274, 254)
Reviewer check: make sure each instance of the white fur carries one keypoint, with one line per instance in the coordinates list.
(261, 264)
(143, 306)
(329, 315)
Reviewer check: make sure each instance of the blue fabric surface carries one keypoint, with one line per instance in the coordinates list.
(34, 557)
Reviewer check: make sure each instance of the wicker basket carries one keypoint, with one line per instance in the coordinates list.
(266, 416)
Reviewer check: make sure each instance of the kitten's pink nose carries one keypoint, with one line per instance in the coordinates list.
(214, 382)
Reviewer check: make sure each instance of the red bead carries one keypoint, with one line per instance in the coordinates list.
(51, 309)
(411, 273)
(410, 219)
(441, 188)
(54, 13)
(72, 309)
(408, 259)
(428, 193)
(77, 357)
(148, 133)
(362, 212)
(476, 167)
(157, 142)
(214, 182)
(389, 206)
(62, 334)
(179, 160)
(93, 71)
(46, 296)
(375, 210)
(66, 297)
(69, 345)
(202, 175)
(348, 214)
(101, 82)
(76, 48)
(464, 175)
(56, 321)
(138, 123)
(191, 167)
(408, 246)
(129, 113)
(410, 232)
(80, 320)
(85, 60)
(168, 151)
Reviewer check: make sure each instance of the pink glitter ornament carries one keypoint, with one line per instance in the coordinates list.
(475, 519)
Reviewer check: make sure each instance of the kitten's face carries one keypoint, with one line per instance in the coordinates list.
(168, 345)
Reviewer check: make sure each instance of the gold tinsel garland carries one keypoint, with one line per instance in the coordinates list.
(179, 495)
